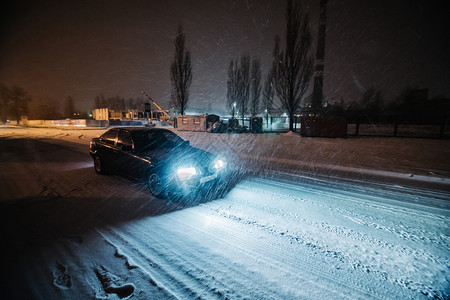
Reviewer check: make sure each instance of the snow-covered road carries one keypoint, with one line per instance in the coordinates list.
(276, 240)
(72, 234)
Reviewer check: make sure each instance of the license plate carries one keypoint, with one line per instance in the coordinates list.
(208, 178)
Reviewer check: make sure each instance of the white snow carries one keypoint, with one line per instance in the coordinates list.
(425, 160)
(356, 218)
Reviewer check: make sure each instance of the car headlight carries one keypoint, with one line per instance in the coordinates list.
(218, 164)
(186, 173)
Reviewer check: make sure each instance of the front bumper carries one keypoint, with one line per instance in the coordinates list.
(208, 178)
(199, 184)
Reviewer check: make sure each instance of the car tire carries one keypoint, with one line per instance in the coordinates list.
(155, 185)
(99, 166)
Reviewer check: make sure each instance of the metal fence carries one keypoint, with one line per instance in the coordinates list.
(439, 130)
(274, 124)
(400, 130)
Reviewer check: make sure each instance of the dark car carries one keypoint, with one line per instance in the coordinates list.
(166, 162)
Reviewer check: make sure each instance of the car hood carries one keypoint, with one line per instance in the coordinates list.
(183, 155)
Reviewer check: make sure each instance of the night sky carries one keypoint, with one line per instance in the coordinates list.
(86, 48)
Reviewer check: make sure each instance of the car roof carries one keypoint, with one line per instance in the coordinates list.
(137, 129)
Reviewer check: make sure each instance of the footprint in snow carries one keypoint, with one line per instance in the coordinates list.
(61, 278)
(129, 265)
(112, 284)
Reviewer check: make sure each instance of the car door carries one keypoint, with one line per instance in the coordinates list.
(126, 159)
(107, 147)
(141, 162)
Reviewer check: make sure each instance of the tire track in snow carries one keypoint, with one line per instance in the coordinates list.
(403, 252)
(388, 215)
(323, 278)
(163, 266)
(405, 232)
(175, 262)
(236, 245)
(162, 253)
(276, 257)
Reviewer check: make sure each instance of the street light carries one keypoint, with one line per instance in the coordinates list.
(267, 118)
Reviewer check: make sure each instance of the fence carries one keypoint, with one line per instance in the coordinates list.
(66, 122)
(439, 129)
(274, 124)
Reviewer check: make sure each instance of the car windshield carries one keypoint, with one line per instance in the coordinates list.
(150, 140)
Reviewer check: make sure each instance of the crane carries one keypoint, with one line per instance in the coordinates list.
(156, 104)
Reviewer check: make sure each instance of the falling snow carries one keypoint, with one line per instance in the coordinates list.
(306, 218)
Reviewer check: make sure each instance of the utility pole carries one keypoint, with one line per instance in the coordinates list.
(317, 94)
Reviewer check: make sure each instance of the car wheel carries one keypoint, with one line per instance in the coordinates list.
(155, 185)
(98, 165)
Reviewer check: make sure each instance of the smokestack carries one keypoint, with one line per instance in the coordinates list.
(317, 95)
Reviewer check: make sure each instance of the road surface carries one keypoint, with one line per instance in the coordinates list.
(72, 234)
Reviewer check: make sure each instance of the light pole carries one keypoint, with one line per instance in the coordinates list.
(267, 118)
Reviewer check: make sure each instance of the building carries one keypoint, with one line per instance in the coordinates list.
(196, 122)
(128, 115)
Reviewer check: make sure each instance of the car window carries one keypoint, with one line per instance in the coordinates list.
(109, 137)
(172, 138)
(150, 140)
(124, 140)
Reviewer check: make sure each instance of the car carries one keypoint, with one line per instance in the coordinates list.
(167, 163)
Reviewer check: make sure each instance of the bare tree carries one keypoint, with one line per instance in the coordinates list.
(238, 85)
(44, 108)
(255, 86)
(5, 98)
(101, 102)
(19, 98)
(268, 94)
(69, 109)
(232, 95)
(372, 103)
(243, 82)
(129, 104)
(293, 67)
(181, 72)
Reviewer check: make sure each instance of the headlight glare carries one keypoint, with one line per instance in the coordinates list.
(186, 173)
(219, 164)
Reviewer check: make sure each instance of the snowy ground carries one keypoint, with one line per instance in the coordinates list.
(314, 218)
(404, 160)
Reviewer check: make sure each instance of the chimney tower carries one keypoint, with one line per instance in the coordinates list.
(317, 95)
